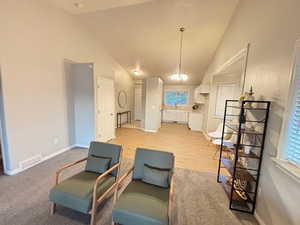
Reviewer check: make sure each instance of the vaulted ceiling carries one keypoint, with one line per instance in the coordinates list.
(144, 34)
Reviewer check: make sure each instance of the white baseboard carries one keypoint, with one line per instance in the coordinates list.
(13, 172)
(151, 131)
(81, 146)
(19, 170)
(58, 153)
(258, 218)
(198, 130)
(172, 121)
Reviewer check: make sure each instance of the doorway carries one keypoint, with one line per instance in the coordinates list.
(80, 103)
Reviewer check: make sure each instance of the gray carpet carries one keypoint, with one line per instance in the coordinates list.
(199, 200)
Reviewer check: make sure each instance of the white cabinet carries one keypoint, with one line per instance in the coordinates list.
(195, 121)
(171, 115)
(181, 116)
(203, 89)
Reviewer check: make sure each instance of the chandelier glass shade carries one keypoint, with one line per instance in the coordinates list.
(179, 77)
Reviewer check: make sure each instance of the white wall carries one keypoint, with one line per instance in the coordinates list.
(272, 28)
(35, 40)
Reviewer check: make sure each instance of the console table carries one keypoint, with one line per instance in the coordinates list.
(119, 118)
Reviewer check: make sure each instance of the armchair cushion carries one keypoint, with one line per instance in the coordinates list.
(141, 203)
(106, 150)
(156, 176)
(76, 192)
(97, 164)
(158, 159)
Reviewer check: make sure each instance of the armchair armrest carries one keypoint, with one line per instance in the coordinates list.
(99, 178)
(171, 195)
(125, 175)
(58, 172)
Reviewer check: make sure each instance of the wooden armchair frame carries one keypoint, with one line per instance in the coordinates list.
(96, 201)
(171, 195)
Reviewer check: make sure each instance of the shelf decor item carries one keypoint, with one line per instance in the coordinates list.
(249, 97)
(240, 164)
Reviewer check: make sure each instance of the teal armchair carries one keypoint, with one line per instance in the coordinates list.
(147, 200)
(85, 190)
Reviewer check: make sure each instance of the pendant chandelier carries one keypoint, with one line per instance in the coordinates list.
(180, 76)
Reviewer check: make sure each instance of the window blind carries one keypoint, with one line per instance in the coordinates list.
(293, 137)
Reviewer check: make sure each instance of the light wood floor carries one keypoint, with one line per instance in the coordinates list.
(192, 150)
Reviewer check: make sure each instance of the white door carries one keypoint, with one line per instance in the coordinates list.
(160, 101)
(138, 103)
(105, 109)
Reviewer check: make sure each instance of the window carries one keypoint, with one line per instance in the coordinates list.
(292, 152)
(224, 92)
(176, 98)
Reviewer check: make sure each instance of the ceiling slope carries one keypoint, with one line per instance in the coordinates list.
(144, 34)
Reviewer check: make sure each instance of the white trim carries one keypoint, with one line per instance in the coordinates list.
(243, 53)
(13, 172)
(259, 219)
(282, 139)
(18, 170)
(151, 131)
(174, 121)
(81, 146)
(3, 136)
(232, 60)
(287, 168)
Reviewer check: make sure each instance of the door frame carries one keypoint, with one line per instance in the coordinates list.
(3, 136)
(137, 86)
(70, 61)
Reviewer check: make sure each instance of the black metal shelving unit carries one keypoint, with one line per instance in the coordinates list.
(240, 161)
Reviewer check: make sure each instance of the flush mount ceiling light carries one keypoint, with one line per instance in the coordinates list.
(180, 76)
(136, 73)
(78, 4)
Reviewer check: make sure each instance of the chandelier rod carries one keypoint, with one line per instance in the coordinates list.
(182, 29)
